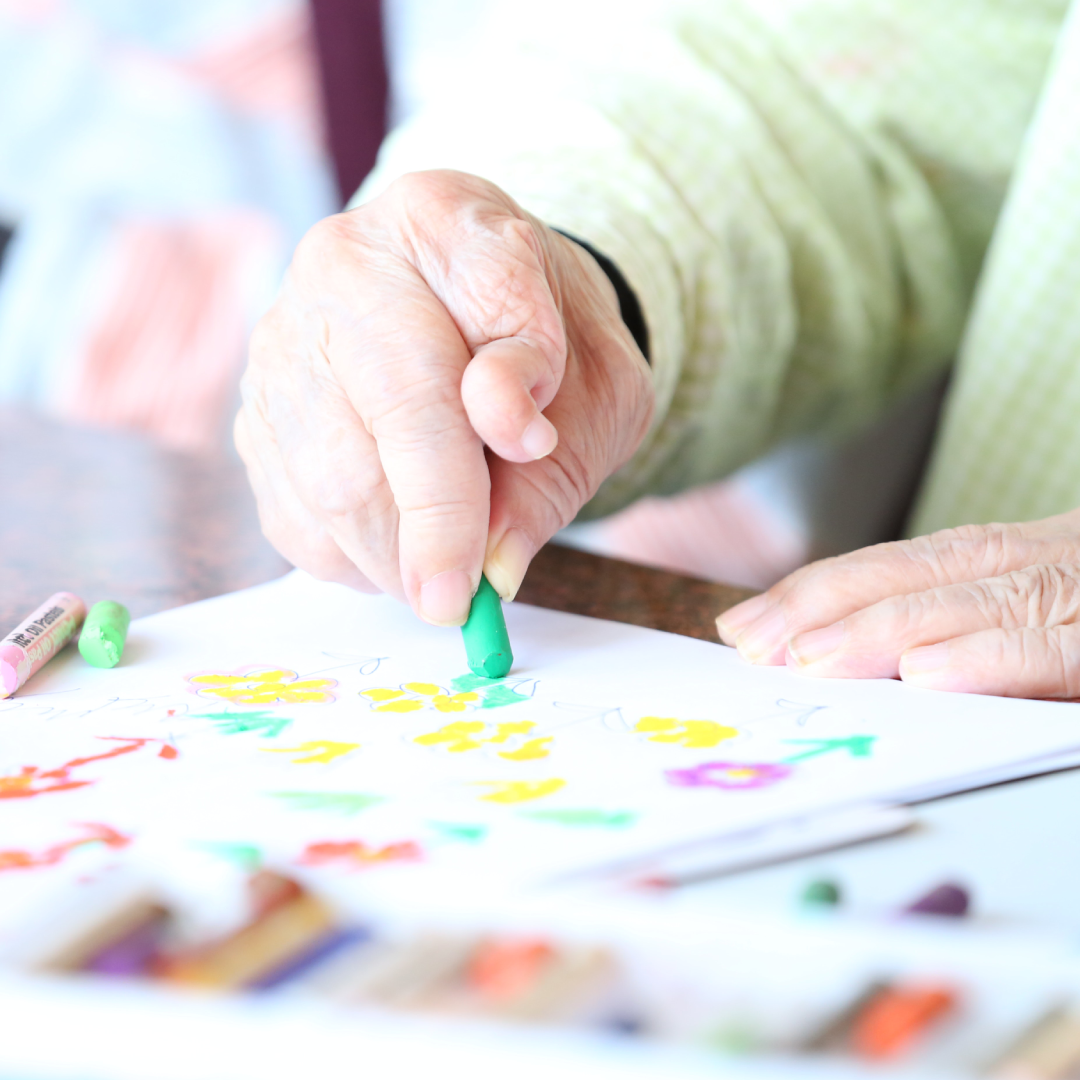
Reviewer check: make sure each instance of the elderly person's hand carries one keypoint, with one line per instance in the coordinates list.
(990, 609)
(410, 334)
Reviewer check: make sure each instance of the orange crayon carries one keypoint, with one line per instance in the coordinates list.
(897, 1016)
(503, 969)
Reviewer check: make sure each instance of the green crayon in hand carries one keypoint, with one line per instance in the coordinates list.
(487, 644)
(104, 633)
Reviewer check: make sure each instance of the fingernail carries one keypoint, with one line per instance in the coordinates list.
(926, 658)
(762, 640)
(539, 438)
(928, 666)
(815, 645)
(505, 567)
(735, 619)
(445, 599)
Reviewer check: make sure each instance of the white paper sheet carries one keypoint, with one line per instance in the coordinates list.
(366, 756)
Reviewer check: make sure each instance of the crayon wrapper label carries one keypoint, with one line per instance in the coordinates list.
(38, 639)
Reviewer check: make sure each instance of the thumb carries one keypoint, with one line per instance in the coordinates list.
(530, 502)
(504, 388)
(496, 270)
(601, 414)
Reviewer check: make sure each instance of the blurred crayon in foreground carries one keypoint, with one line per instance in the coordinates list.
(134, 951)
(821, 893)
(287, 927)
(121, 941)
(897, 1017)
(947, 899)
(501, 970)
(104, 633)
(37, 639)
(1048, 1050)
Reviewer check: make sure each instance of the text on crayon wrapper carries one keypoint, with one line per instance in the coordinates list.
(25, 636)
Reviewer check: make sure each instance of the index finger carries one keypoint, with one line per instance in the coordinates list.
(402, 370)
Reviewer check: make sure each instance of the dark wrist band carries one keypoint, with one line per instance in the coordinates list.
(629, 307)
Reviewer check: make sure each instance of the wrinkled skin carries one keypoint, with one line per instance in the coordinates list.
(410, 334)
(985, 609)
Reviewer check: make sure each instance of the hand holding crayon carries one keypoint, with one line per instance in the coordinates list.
(440, 386)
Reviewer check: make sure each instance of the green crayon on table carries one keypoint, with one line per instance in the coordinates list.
(487, 645)
(821, 893)
(104, 632)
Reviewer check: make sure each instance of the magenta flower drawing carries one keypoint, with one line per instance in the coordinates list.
(729, 775)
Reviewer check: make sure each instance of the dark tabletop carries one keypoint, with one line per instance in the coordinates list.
(109, 515)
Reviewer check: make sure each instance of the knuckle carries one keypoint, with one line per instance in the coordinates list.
(901, 617)
(423, 187)
(329, 232)
(440, 517)
(1053, 594)
(996, 602)
(840, 577)
(401, 417)
(799, 601)
(429, 200)
(522, 236)
(437, 190)
(970, 551)
(335, 502)
(1044, 595)
(948, 554)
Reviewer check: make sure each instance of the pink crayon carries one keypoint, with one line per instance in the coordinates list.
(37, 639)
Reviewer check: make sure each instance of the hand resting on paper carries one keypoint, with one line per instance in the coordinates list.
(986, 609)
(441, 384)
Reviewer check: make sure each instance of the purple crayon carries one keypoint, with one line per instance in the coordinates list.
(135, 951)
(947, 899)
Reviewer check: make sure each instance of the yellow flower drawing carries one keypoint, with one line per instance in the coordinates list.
(263, 686)
(515, 791)
(414, 696)
(463, 735)
(319, 752)
(696, 734)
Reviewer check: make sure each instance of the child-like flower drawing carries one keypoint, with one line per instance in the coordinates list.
(31, 780)
(357, 854)
(516, 791)
(414, 696)
(315, 752)
(17, 859)
(695, 734)
(467, 692)
(463, 735)
(729, 775)
(262, 686)
(269, 725)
